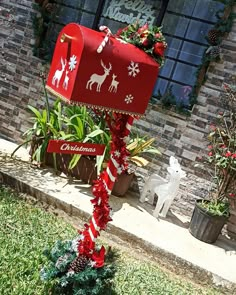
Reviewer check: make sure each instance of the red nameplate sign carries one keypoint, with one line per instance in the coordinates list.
(69, 147)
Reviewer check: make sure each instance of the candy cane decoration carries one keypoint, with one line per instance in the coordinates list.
(106, 39)
(102, 189)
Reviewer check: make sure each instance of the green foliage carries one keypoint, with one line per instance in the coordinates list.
(221, 156)
(42, 20)
(138, 146)
(25, 232)
(215, 207)
(225, 19)
(88, 281)
(147, 38)
(222, 148)
(170, 101)
(223, 25)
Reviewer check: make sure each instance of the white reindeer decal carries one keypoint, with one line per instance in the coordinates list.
(165, 190)
(114, 84)
(58, 74)
(66, 80)
(99, 79)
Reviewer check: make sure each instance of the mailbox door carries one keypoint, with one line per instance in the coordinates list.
(65, 63)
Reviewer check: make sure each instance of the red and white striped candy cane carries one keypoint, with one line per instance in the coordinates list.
(105, 40)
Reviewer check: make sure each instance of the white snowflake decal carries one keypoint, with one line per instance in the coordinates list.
(129, 98)
(126, 139)
(72, 62)
(117, 153)
(133, 69)
(119, 170)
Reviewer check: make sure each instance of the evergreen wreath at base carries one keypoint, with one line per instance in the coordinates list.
(75, 274)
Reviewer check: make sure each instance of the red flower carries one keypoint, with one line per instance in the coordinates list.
(210, 147)
(226, 86)
(143, 29)
(231, 195)
(120, 31)
(210, 154)
(145, 42)
(233, 156)
(228, 154)
(223, 146)
(158, 35)
(159, 48)
(213, 127)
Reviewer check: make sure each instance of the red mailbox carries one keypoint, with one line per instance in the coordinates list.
(113, 76)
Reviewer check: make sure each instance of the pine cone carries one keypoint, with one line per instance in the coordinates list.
(79, 264)
(213, 36)
(50, 7)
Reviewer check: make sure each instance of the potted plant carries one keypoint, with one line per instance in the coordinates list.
(137, 147)
(210, 215)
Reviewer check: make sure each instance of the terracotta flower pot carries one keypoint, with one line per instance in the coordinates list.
(122, 184)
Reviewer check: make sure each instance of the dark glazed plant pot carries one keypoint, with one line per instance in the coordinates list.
(85, 169)
(206, 227)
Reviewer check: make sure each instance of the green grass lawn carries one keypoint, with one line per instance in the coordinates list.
(26, 230)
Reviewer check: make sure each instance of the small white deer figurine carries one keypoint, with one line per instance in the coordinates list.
(114, 84)
(66, 81)
(58, 73)
(99, 79)
(165, 190)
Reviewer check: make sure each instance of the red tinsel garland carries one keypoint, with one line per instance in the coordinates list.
(120, 125)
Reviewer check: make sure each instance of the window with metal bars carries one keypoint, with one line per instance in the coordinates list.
(185, 23)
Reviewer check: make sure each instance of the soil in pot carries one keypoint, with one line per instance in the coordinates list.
(204, 226)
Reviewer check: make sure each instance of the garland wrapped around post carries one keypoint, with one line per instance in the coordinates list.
(120, 125)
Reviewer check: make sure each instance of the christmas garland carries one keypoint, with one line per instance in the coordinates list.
(41, 22)
(149, 39)
(84, 255)
(225, 19)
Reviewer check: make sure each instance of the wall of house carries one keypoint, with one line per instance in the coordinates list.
(183, 137)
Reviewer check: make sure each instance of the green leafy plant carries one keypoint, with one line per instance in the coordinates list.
(47, 124)
(222, 154)
(138, 146)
